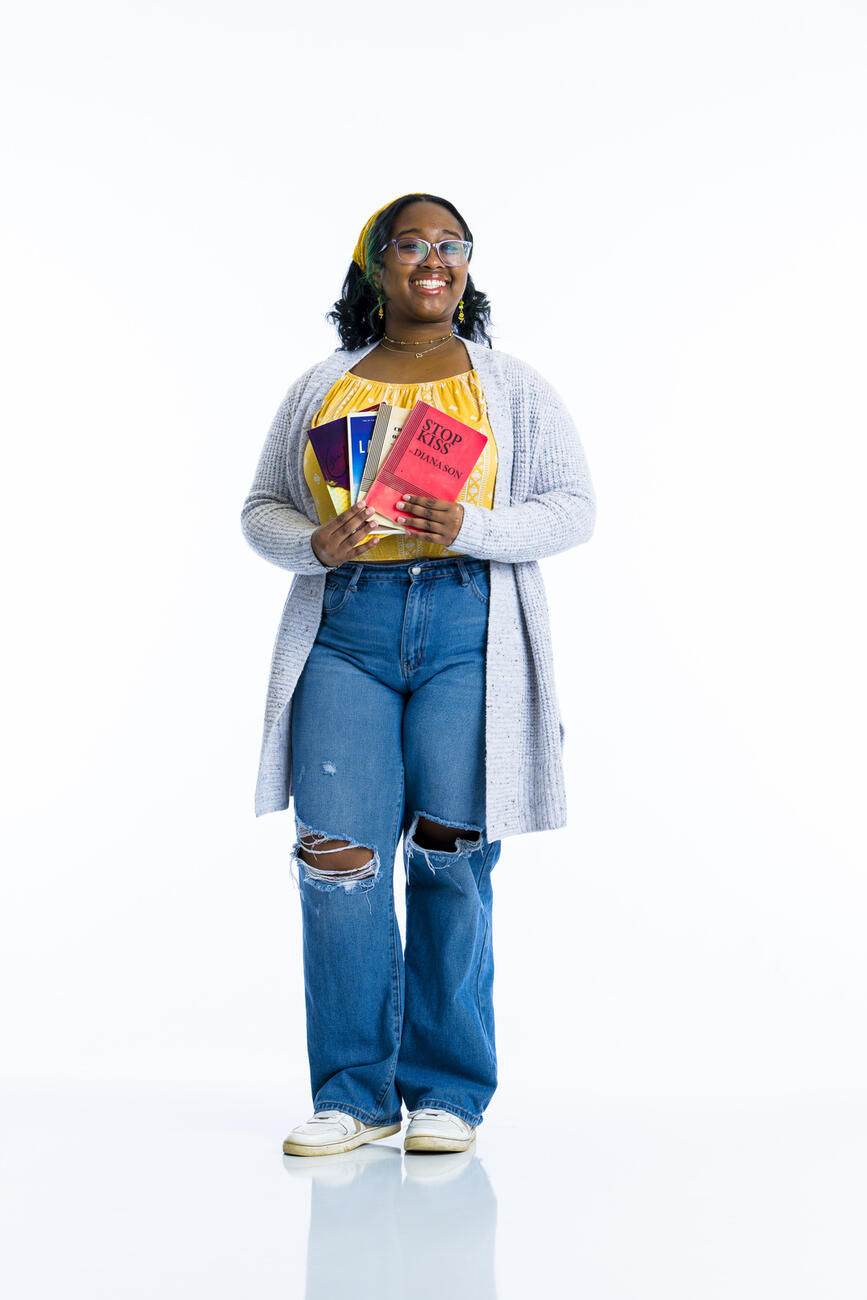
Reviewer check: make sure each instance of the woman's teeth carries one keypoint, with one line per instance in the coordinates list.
(429, 284)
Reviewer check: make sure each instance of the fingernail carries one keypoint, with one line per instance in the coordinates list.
(400, 519)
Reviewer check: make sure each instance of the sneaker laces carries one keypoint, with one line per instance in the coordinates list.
(326, 1116)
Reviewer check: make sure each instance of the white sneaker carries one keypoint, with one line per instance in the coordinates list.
(331, 1131)
(432, 1129)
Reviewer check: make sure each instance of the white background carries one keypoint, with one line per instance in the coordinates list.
(669, 203)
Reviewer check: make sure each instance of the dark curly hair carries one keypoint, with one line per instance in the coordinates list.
(356, 312)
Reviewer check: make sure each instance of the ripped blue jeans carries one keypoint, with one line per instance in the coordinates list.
(388, 726)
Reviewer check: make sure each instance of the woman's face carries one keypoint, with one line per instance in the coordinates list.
(427, 294)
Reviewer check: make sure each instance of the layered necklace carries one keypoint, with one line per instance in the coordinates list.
(414, 343)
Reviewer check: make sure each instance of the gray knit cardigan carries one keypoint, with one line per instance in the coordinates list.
(544, 502)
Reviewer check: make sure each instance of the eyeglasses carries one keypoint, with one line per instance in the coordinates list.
(413, 251)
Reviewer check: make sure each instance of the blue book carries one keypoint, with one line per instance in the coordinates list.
(359, 427)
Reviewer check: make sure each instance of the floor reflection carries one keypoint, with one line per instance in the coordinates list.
(398, 1226)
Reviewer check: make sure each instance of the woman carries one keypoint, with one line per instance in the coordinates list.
(411, 687)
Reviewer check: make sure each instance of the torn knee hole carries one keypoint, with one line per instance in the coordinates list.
(333, 857)
(438, 838)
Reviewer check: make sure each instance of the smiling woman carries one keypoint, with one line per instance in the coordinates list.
(411, 687)
(359, 314)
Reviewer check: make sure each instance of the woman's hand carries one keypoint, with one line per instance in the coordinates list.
(432, 520)
(337, 540)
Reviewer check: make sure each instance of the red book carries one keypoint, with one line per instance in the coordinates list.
(433, 457)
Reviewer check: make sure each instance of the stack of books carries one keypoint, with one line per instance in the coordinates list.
(380, 454)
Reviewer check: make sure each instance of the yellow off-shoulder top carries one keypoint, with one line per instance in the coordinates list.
(459, 395)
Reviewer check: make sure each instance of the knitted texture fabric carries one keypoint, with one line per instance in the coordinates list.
(544, 503)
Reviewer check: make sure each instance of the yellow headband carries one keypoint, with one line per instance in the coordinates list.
(359, 256)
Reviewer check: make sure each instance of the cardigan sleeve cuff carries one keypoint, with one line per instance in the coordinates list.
(282, 536)
(471, 535)
(306, 560)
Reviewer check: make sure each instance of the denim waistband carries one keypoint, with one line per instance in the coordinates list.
(458, 566)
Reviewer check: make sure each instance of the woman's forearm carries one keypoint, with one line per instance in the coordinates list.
(279, 533)
(271, 524)
(559, 506)
(544, 525)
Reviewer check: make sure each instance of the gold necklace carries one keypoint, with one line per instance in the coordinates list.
(415, 342)
(423, 353)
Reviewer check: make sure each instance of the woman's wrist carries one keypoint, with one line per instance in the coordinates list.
(470, 533)
(314, 550)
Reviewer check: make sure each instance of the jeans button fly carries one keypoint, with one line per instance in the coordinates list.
(415, 570)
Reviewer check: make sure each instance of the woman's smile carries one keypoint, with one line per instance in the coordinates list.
(430, 284)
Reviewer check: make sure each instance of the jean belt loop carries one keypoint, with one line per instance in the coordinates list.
(462, 570)
(357, 568)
